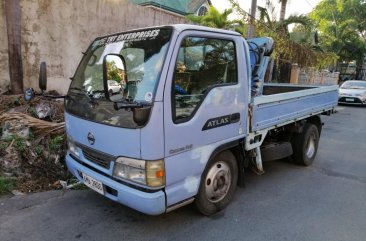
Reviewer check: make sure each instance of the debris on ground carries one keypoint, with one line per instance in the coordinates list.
(32, 144)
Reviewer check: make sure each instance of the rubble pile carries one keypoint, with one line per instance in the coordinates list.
(32, 143)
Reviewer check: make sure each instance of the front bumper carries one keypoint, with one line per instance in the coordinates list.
(352, 100)
(148, 203)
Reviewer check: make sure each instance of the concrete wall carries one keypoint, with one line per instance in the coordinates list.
(58, 31)
(312, 76)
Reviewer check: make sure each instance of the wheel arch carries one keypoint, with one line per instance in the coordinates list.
(218, 180)
(236, 148)
(316, 120)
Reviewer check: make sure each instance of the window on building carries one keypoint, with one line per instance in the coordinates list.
(202, 11)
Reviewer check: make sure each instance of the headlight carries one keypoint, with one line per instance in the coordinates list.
(150, 173)
(73, 149)
(363, 95)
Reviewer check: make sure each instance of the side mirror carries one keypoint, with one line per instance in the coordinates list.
(29, 94)
(141, 115)
(114, 77)
(42, 81)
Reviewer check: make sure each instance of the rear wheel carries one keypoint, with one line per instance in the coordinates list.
(305, 145)
(218, 184)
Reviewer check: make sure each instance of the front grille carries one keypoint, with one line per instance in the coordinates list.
(350, 100)
(97, 157)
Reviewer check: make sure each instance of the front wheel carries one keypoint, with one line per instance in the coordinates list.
(305, 145)
(218, 184)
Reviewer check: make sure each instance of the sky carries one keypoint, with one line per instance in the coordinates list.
(293, 6)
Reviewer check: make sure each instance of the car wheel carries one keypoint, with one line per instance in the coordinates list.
(218, 184)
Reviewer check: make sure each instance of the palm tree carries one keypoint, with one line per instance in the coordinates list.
(12, 15)
(282, 27)
(283, 9)
(215, 19)
(264, 17)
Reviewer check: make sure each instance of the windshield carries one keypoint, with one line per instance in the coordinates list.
(354, 85)
(144, 53)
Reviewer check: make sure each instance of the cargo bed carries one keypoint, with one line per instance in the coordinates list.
(281, 104)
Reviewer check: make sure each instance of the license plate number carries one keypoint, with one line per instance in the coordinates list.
(93, 184)
(350, 99)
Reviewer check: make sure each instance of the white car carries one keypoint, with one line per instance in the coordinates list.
(114, 87)
(353, 92)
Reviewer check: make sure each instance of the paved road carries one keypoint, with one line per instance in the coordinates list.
(326, 201)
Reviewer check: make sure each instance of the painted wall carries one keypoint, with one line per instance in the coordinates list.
(58, 31)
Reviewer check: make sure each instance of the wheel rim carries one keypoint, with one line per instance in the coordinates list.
(218, 182)
(310, 147)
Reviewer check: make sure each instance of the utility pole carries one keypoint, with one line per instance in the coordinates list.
(251, 29)
(12, 16)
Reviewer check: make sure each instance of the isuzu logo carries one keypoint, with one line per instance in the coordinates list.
(91, 138)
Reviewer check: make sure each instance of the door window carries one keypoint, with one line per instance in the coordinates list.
(202, 64)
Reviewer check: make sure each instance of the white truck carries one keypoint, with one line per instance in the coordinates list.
(193, 116)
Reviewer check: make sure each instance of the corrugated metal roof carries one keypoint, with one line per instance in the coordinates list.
(183, 7)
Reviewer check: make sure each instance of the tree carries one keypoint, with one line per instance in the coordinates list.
(303, 24)
(12, 15)
(113, 72)
(283, 9)
(215, 19)
(286, 47)
(342, 28)
(251, 29)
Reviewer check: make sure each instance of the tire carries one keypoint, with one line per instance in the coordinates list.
(305, 145)
(218, 184)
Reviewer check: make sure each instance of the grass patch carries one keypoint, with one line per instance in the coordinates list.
(56, 143)
(19, 144)
(78, 186)
(7, 185)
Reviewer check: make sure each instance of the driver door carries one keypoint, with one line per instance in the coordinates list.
(202, 107)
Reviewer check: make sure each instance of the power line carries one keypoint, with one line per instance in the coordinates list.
(309, 4)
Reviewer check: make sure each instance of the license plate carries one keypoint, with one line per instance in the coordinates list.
(350, 100)
(93, 184)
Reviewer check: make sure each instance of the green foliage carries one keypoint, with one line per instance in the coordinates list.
(56, 143)
(31, 134)
(113, 73)
(38, 150)
(3, 147)
(16, 102)
(19, 144)
(215, 19)
(32, 111)
(342, 27)
(286, 45)
(7, 185)
(78, 185)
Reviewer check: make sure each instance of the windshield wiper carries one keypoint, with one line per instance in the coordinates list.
(126, 104)
(90, 97)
